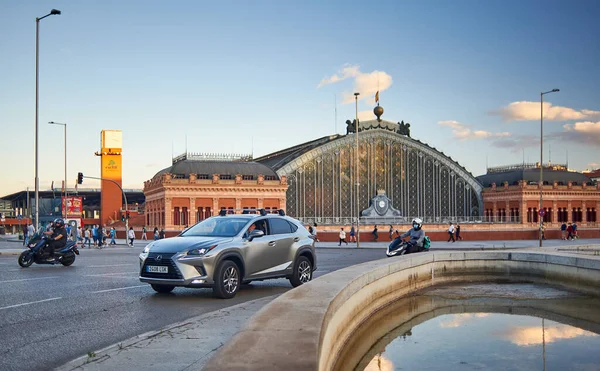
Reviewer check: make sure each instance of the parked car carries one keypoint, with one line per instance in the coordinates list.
(224, 251)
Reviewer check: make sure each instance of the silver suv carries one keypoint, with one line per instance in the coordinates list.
(225, 251)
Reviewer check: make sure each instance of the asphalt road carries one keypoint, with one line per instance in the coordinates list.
(50, 315)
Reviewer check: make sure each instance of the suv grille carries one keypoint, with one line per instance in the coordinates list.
(173, 273)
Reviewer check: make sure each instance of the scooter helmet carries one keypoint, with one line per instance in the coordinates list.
(417, 224)
(59, 223)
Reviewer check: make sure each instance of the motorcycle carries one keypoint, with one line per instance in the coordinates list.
(37, 253)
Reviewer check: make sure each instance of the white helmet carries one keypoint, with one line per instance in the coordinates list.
(417, 223)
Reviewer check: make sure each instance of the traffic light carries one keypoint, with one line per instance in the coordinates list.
(127, 213)
(79, 178)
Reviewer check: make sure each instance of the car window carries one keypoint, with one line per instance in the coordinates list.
(259, 224)
(280, 226)
(216, 226)
(293, 226)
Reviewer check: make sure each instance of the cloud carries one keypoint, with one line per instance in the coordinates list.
(345, 72)
(530, 111)
(517, 143)
(367, 84)
(366, 115)
(463, 132)
(594, 165)
(585, 132)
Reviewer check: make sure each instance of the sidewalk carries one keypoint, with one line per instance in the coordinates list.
(186, 345)
(477, 245)
(190, 344)
(11, 246)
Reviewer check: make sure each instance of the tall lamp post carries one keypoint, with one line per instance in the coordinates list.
(64, 125)
(540, 212)
(357, 176)
(37, 75)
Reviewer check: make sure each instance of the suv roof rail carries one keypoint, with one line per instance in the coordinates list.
(245, 211)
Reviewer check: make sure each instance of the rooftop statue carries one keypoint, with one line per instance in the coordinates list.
(351, 126)
(404, 129)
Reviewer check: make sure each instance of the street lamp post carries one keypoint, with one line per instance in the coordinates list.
(64, 125)
(541, 216)
(37, 75)
(357, 176)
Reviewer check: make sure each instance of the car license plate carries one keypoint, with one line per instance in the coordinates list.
(156, 269)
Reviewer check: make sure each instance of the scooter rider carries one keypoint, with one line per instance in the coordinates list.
(58, 237)
(415, 244)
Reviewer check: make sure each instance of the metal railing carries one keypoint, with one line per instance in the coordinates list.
(325, 220)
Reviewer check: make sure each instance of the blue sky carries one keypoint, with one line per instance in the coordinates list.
(467, 75)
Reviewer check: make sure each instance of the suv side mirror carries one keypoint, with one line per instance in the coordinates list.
(255, 234)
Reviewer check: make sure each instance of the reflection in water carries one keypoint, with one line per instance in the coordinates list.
(457, 320)
(527, 336)
(484, 341)
(380, 363)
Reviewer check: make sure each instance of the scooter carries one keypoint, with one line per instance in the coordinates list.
(397, 247)
(37, 254)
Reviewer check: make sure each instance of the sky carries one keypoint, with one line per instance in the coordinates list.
(260, 76)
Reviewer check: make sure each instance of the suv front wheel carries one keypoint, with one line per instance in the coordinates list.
(302, 272)
(227, 280)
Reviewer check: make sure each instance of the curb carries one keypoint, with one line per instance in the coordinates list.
(104, 353)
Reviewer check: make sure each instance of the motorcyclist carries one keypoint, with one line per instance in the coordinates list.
(57, 237)
(417, 235)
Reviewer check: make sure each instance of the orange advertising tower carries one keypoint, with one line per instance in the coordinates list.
(110, 168)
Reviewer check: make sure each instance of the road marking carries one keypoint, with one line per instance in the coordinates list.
(111, 274)
(28, 279)
(109, 265)
(33, 302)
(120, 288)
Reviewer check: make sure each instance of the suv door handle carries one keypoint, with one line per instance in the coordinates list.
(272, 243)
(296, 239)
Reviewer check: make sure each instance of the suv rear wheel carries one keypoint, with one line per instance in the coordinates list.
(302, 272)
(227, 280)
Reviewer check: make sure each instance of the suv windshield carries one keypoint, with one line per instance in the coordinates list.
(217, 226)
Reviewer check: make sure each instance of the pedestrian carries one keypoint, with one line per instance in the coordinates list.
(87, 238)
(131, 235)
(25, 238)
(575, 231)
(79, 234)
(563, 231)
(543, 229)
(457, 232)
(105, 234)
(569, 231)
(68, 228)
(156, 234)
(100, 236)
(391, 232)
(113, 234)
(352, 234)
(95, 234)
(144, 233)
(30, 232)
(314, 232)
(451, 230)
(375, 234)
(342, 237)
(161, 234)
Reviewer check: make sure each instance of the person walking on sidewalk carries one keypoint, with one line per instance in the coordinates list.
(156, 234)
(87, 238)
(563, 231)
(144, 238)
(352, 234)
(113, 234)
(457, 232)
(451, 233)
(131, 236)
(375, 234)
(342, 237)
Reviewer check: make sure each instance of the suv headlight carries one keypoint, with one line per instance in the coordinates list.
(201, 251)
